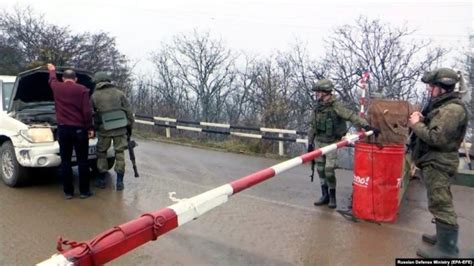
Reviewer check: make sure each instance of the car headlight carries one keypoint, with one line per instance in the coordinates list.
(37, 134)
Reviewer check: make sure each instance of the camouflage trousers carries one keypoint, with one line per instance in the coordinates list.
(103, 144)
(440, 199)
(326, 166)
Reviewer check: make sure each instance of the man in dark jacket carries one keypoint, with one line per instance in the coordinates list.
(74, 119)
(113, 120)
(440, 130)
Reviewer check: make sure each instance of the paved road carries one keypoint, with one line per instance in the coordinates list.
(273, 223)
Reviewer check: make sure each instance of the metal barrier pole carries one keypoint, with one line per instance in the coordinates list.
(168, 130)
(281, 150)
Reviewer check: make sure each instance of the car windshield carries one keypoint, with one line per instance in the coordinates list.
(6, 94)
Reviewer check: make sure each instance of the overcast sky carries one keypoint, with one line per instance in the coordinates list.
(257, 26)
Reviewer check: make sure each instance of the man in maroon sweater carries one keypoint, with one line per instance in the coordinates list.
(74, 119)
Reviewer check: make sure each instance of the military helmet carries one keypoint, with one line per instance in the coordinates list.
(101, 76)
(323, 85)
(443, 76)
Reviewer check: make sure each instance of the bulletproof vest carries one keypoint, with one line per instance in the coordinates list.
(329, 126)
(109, 116)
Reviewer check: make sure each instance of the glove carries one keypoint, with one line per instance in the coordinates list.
(129, 130)
(311, 147)
(375, 130)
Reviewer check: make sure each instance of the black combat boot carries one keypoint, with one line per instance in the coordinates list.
(324, 197)
(446, 244)
(120, 185)
(100, 182)
(430, 239)
(332, 198)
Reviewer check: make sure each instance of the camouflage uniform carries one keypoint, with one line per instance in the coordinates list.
(436, 151)
(107, 97)
(328, 125)
(439, 136)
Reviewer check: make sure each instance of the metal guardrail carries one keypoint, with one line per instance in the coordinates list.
(226, 129)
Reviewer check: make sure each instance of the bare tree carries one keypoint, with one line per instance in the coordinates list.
(270, 92)
(394, 61)
(11, 59)
(142, 97)
(238, 103)
(33, 42)
(170, 90)
(205, 66)
(305, 72)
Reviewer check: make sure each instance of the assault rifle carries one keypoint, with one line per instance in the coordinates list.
(313, 163)
(131, 145)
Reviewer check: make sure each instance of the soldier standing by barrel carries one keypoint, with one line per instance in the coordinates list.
(328, 125)
(113, 120)
(439, 132)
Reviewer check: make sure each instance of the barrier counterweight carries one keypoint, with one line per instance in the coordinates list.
(123, 238)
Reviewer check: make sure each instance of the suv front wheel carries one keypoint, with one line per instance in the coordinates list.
(13, 174)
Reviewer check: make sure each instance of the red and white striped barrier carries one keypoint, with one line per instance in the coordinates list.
(363, 85)
(121, 239)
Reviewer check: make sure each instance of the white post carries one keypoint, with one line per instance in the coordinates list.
(168, 130)
(281, 151)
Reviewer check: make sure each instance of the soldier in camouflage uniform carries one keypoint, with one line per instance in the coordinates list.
(107, 98)
(440, 129)
(328, 125)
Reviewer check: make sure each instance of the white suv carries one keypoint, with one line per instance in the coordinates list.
(28, 125)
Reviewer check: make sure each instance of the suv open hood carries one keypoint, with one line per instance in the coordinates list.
(32, 86)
